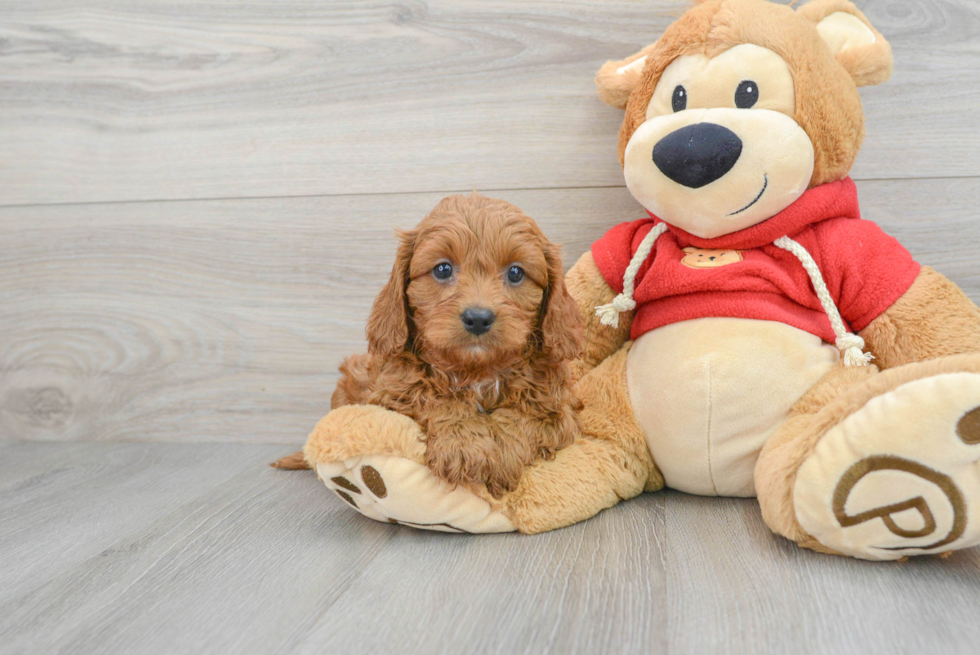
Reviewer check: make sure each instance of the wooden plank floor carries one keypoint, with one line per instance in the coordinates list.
(198, 548)
(196, 205)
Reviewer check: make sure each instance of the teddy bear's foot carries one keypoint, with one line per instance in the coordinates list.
(373, 459)
(401, 491)
(900, 476)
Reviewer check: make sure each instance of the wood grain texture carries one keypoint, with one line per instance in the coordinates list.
(78, 499)
(268, 561)
(183, 319)
(226, 320)
(595, 587)
(171, 99)
(245, 568)
(734, 587)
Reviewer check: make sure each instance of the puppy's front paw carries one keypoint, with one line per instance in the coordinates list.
(397, 490)
(474, 459)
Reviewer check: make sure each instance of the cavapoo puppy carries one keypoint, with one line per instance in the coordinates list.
(471, 337)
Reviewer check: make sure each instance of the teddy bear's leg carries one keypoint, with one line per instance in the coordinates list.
(374, 459)
(933, 321)
(879, 465)
(608, 463)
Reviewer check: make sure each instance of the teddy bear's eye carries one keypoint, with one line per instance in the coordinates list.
(747, 94)
(679, 99)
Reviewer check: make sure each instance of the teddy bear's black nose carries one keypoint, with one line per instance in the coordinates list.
(698, 154)
(477, 320)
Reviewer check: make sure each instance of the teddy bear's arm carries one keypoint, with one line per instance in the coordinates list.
(587, 477)
(609, 462)
(589, 290)
(934, 318)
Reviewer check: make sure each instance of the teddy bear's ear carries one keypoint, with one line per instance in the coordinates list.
(853, 40)
(616, 80)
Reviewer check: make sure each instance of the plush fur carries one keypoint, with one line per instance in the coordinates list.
(867, 65)
(934, 318)
(933, 330)
(828, 107)
(586, 286)
(355, 430)
(913, 339)
(841, 393)
(488, 405)
(609, 463)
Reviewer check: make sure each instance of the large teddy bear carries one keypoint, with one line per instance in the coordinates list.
(752, 337)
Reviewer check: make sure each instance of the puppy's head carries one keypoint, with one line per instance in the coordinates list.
(475, 285)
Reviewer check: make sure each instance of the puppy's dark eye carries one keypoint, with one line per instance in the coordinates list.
(515, 274)
(747, 94)
(443, 271)
(679, 100)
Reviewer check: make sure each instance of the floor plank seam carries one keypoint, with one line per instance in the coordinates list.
(412, 193)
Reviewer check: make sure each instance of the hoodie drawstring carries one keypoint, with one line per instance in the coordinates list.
(609, 314)
(850, 344)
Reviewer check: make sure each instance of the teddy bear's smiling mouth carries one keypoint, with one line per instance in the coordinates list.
(765, 183)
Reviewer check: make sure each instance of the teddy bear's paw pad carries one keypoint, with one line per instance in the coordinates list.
(398, 490)
(900, 476)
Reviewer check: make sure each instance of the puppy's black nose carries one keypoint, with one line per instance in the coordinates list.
(698, 154)
(477, 320)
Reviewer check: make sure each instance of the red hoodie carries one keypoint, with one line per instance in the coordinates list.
(865, 269)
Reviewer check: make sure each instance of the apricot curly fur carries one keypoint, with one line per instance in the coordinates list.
(489, 405)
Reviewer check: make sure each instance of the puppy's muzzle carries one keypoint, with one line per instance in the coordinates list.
(477, 320)
(697, 154)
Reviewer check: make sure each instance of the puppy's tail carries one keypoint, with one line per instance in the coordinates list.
(294, 462)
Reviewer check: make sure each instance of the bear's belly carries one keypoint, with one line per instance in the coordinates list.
(709, 392)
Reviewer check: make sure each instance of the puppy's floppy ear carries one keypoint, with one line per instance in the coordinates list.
(852, 39)
(387, 326)
(561, 325)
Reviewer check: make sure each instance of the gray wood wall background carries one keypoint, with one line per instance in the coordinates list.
(198, 198)
(196, 211)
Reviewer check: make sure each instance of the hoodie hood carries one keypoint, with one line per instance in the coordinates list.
(832, 200)
(816, 266)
